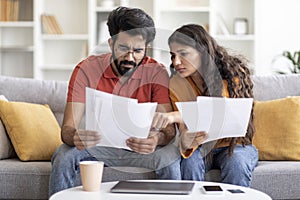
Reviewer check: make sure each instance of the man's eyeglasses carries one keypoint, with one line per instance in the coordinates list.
(137, 53)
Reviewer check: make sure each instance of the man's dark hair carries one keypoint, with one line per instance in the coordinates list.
(133, 20)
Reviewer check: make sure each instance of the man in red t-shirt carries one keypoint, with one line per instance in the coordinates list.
(127, 71)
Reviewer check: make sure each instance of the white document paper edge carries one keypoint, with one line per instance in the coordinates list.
(117, 118)
(218, 116)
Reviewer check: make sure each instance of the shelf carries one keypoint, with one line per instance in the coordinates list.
(65, 37)
(17, 24)
(187, 9)
(17, 49)
(56, 67)
(103, 9)
(235, 37)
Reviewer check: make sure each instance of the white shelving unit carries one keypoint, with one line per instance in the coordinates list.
(222, 12)
(27, 52)
(98, 31)
(170, 15)
(59, 53)
(16, 43)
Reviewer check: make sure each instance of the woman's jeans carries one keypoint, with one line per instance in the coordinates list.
(235, 169)
(165, 161)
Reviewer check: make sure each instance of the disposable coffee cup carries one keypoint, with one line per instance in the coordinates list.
(91, 175)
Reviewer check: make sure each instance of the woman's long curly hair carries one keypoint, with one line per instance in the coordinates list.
(217, 65)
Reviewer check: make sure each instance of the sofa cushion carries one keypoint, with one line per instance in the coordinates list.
(32, 128)
(24, 180)
(268, 87)
(277, 134)
(6, 148)
(30, 90)
(279, 179)
(30, 180)
(3, 98)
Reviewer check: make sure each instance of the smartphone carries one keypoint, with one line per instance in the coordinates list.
(212, 189)
(236, 191)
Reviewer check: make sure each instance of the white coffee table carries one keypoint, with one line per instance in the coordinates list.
(105, 194)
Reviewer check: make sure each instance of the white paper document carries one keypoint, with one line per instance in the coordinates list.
(219, 117)
(117, 118)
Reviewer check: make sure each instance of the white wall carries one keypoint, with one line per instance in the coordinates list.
(277, 27)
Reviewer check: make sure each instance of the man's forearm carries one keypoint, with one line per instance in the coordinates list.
(67, 135)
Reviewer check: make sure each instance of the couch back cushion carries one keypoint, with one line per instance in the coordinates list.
(29, 90)
(6, 148)
(268, 87)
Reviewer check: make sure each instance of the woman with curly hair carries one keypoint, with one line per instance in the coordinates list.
(201, 67)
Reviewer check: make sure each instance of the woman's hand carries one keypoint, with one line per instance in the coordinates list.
(162, 120)
(189, 140)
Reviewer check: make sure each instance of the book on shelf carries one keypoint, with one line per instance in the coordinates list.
(85, 50)
(222, 25)
(50, 24)
(9, 10)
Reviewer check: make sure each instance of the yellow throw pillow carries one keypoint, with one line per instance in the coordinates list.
(277, 124)
(32, 128)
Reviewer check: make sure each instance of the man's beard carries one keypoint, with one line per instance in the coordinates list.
(125, 70)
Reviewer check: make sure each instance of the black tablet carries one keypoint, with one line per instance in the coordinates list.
(153, 187)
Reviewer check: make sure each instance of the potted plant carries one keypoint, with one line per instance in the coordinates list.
(294, 60)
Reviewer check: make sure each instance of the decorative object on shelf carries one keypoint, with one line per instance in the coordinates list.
(108, 3)
(292, 58)
(206, 27)
(50, 25)
(240, 26)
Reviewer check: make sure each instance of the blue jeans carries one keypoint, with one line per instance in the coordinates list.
(165, 161)
(236, 169)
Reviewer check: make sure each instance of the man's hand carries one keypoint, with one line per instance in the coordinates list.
(85, 139)
(143, 146)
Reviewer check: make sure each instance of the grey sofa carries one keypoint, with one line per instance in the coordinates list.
(29, 180)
